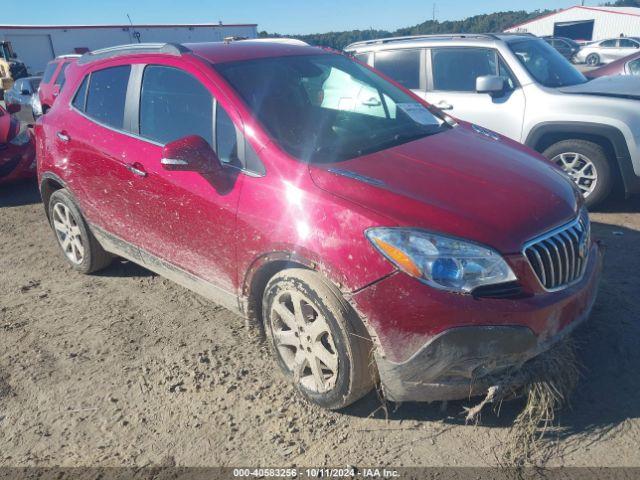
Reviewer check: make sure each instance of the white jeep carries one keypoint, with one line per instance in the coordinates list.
(520, 87)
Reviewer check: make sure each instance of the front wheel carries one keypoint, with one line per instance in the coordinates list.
(586, 164)
(319, 342)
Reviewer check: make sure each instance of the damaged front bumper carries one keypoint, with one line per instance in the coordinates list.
(463, 361)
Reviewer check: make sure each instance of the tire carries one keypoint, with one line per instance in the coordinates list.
(83, 252)
(593, 59)
(564, 152)
(339, 338)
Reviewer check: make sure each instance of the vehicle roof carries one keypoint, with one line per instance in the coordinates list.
(439, 39)
(219, 52)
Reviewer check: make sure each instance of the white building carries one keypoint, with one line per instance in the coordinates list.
(36, 45)
(585, 23)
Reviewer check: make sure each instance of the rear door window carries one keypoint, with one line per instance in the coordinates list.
(456, 69)
(627, 43)
(401, 65)
(173, 105)
(107, 94)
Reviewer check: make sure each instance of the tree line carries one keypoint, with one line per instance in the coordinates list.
(493, 22)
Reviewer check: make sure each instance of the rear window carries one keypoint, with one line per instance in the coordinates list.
(106, 95)
(49, 71)
(401, 65)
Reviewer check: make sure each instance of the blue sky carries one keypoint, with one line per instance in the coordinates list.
(283, 16)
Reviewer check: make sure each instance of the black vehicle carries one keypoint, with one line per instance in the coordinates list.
(566, 46)
(24, 92)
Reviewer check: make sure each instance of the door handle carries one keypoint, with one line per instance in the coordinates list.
(63, 136)
(372, 102)
(443, 105)
(136, 169)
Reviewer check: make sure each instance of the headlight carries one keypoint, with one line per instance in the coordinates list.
(21, 139)
(439, 261)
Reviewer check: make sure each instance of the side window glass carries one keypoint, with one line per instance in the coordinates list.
(634, 67)
(81, 95)
(226, 138)
(608, 43)
(456, 69)
(626, 43)
(504, 72)
(62, 76)
(48, 72)
(107, 94)
(363, 57)
(173, 105)
(401, 65)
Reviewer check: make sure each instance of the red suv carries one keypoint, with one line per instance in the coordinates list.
(301, 189)
(53, 80)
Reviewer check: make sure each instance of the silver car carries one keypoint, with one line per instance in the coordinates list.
(605, 51)
(24, 93)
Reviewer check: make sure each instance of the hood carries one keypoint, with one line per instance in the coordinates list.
(625, 86)
(459, 182)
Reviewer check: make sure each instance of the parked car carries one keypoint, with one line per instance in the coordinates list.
(520, 87)
(371, 223)
(606, 51)
(53, 80)
(24, 93)
(17, 149)
(625, 66)
(565, 46)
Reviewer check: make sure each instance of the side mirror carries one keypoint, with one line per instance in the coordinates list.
(190, 154)
(13, 108)
(491, 84)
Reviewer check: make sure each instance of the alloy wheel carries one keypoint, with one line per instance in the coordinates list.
(580, 169)
(304, 341)
(68, 233)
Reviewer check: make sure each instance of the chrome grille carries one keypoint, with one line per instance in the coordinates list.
(559, 257)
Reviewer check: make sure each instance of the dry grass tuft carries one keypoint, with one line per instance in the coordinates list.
(547, 383)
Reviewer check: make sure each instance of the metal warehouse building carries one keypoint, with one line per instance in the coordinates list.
(585, 23)
(36, 45)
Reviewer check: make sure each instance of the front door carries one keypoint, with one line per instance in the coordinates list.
(452, 87)
(189, 218)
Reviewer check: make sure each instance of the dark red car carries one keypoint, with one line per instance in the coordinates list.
(625, 66)
(17, 149)
(301, 189)
(53, 80)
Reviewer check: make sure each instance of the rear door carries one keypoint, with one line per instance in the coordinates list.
(452, 87)
(97, 145)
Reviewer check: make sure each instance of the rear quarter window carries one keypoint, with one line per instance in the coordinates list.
(106, 95)
(49, 71)
(62, 75)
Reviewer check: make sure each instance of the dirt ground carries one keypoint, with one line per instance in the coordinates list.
(127, 368)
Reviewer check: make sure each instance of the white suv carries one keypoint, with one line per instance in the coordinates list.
(520, 87)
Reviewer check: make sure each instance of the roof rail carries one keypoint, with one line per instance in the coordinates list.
(283, 40)
(418, 37)
(131, 49)
(70, 55)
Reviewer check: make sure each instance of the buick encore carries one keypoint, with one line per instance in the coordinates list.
(302, 190)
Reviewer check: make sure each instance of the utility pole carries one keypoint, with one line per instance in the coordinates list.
(434, 12)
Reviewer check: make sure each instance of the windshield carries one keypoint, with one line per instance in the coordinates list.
(323, 108)
(545, 64)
